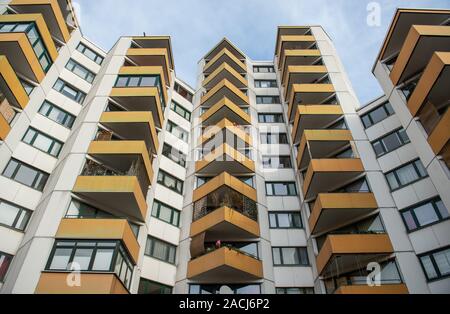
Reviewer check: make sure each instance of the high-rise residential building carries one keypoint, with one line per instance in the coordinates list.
(268, 177)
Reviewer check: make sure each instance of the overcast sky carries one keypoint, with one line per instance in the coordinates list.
(195, 26)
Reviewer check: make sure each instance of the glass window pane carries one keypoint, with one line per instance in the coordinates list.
(441, 208)
(290, 256)
(60, 259)
(273, 220)
(42, 142)
(148, 81)
(23, 219)
(165, 214)
(391, 142)
(407, 174)
(426, 214)
(28, 138)
(8, 214)
(409, 220)
(276, 256)
(122, 81)
(280, 189)
(83, 258)
(392, 180)
(103, 258)
(442, 260)
(26, 175)
(10, 168)
(284, 221)
(428, 267)
(378, 115)
(134, 81)
(378, 148)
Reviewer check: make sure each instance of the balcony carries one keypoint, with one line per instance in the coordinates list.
(133, 125)
(225, 223)
(224, 89)
(323, 175)
(401, 25)
(225, 71)
(420, 44)
(120, 193)
(225, 56)
(225, 132)
(92, 283)
(302, 57)
(225, 109)
(293, 42)
(303, 74)
(100, 229)
(365, 289)
(314, 117)
(225, 264)
(346, 252)
(321, 144)
(152, 58)
(308, 94)
(224, 158)
(333, 210)
(57, 15)
(225, 44)
(225, 180)
(29, 48)
(123, 156)
(140, 99)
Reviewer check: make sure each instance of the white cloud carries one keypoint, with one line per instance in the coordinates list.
(197, 25)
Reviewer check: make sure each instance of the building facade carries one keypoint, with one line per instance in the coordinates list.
(268, 177)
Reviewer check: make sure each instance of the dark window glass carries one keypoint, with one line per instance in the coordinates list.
(57, 115)
(424, 214)
(180, 110)
(406, 175)
(263, 69)
(25, 174)
(170, 182)
(436, 264)
(270, 118)
(266, 84)
(5, 261)
(151, 287)
(225, 289)
(285, 220)
(390, 142)
(274, 138)
(174, 155)
(166, 213)
(69, 91)
(290, 256)
(292, 290)
(177, 131)
(160, 250)
(267, 100)
(88, 52)
(183, 92)
(281, 189)
(277, 162)
(13, 216)
(42, 142)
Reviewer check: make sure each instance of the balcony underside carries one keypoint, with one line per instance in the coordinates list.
(225, 109)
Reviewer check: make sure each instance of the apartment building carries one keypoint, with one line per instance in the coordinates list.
(268, 177)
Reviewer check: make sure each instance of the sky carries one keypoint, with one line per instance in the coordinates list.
(196, 26)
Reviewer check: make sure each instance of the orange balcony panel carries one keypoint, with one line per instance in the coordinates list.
(225, 44)
(290, 31)
(91, 283)
(333, 210)
(225, 109)
(100, 229)
(401, 25)
(323, 175)
(314, 117)
(121, 154)
(224, 89)
(155, 42)
(121, 193)
(216, 132)
(10, 85)
(420, 44)
(133, 125)
(153, 57)
(303, 94)
(225, 56)
(293, 42)
(224, 179)
(440, 136)
(59, 18)
(147, 70)
(226, 223)
(321, 144)
(225, 71)
(352, 250)
(225, 158)
(302, 74)
(300, 57)
(4, 128)
(140, 99)
(225, 264)
(365, 289)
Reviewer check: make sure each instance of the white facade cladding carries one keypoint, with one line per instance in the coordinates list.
(268, 177)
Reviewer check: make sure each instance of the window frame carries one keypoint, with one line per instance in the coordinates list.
(182, 158)
(275, 99)
(298, 248)
(172, 125)
(52, 145)
(8, 258)
(22, 164)
(79, 98)
(169, 245)
(166, 174)
(411, 210)
(379, 141)
(20, 211)
(174, 106)
(173, 210)
(262, 117)
(52, 107)
(72, 64)
(277, 227)
(81, 48)
(430, 254)
(279, 158)
(281, 136)
(394, 172)
(272, 83)
(270, 68)
(287, 183)
(368, 114)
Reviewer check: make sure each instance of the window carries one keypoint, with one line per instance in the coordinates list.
(406, 175)
(263, 69)
(91, 54)
(137, 81)
(170, 182)
(281, 189)
(92, 256)
(377, 115)
(274, 138)
(80, 71)
(27, 86)
(390, 142)
(436, 264)
(177, 131)
(338, 125)
(174, 155)
(267, 100)
(358, 186)
(225, 289)
(277, 162)
(292, 290)
(69, 91)
(151, 287)
(183, 92)
(35, 40)
(57, 115)
(180, 110)
(160, 250)
(425, 214)
(13, 216)
(42, 142)
(27, 175)
(266, 84)
(5, 261)
(285, 220)
(270, 118)
(166, 213)
(290, 256)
